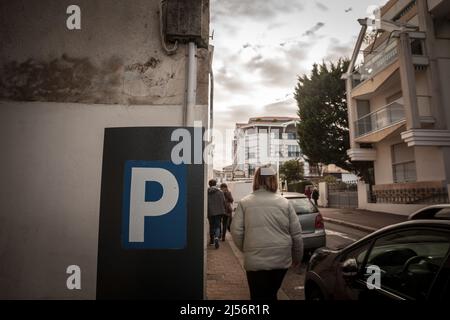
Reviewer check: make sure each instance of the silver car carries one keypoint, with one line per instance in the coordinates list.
(311, 221)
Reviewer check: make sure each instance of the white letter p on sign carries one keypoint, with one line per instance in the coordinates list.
(140, 208)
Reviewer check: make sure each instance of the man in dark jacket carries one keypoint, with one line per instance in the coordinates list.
(226, 218)
(216, 209)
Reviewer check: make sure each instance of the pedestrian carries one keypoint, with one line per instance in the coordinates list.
(216, 209)
(308, 192)
(267, 230)
(226, 218)
(315, 195)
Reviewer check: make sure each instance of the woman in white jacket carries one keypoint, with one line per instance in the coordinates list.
(267, 230)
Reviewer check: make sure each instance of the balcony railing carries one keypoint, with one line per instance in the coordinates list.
(379, 119)
(376, 62)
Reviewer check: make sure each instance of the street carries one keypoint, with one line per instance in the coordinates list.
(226, 276)
(338, 236)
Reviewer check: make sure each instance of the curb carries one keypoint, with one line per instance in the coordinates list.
(351, 225)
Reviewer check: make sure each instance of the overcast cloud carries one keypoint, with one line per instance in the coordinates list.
(261, 47)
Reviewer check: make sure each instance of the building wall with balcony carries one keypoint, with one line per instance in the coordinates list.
(410, 147)
(383, 163)
(429, 163)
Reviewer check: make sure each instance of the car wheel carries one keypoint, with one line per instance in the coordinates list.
(313, 293)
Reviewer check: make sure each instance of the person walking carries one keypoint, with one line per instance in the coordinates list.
(308, 192)
(226, 218)
(267, 230)
(216, 209)
(315, 195)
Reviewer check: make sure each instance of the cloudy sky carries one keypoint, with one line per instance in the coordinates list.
(261, 46)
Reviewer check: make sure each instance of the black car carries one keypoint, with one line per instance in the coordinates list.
(412, 259)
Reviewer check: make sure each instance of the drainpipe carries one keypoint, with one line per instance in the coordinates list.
(211, 92)
(191, 86)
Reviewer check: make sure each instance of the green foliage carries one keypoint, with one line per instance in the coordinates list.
(330, 179)
(323, 128)
(292, 170)
(299, 186)
(322, 107)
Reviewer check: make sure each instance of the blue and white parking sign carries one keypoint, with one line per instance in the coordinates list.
(154, 213)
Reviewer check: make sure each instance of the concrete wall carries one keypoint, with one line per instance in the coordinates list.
(380, 100)
(400, 209)
(429, 164)
(59, 90)
(323, 191)
(50, 191)
(444, 74)
(383, 163)
(116, 57)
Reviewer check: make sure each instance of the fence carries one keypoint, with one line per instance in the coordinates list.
(416, 193)
(343, 194)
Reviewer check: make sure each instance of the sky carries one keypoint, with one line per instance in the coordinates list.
(262, 46)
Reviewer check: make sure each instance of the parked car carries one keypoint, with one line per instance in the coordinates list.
(311, 221)
(438, 211)
(412, 257)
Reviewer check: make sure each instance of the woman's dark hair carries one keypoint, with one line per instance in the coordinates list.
(270, 183)
(223, 186)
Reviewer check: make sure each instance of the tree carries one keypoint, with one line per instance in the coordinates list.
(322, 107)
(292, 171)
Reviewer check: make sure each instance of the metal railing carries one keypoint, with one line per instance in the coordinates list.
(376, 62)
(379, 119)
(411, 196)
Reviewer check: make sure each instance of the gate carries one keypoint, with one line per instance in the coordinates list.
(343, 194)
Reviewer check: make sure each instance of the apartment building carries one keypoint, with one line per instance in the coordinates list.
(399, 104)
(265, 140)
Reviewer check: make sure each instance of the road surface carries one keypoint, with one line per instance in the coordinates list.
(338, 236)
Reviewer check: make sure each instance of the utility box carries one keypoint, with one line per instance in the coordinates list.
(184, 20)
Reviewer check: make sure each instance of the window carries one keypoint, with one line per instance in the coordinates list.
(403, 164)
(358, 254)
(417, 47)
(410, 260)
(443, 214)
(292, 136)
(302, 205)
(394, 97)
(293, 151)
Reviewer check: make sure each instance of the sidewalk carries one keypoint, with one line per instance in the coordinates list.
(226, 278)
(361, 219)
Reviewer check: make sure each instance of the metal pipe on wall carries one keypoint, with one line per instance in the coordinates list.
(191, 87)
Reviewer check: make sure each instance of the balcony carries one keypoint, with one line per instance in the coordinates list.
(376, 62)
(380, 119)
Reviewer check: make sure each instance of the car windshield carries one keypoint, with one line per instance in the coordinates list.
(303, 205)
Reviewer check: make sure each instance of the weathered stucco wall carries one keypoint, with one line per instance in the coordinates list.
(59, 90)
(51, 168)
(116, 57)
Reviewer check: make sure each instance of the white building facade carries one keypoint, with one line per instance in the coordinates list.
(266, 140)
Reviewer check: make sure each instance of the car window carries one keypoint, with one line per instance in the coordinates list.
(303, 205)
(443, 214)
(410, 260)
(359, 254)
